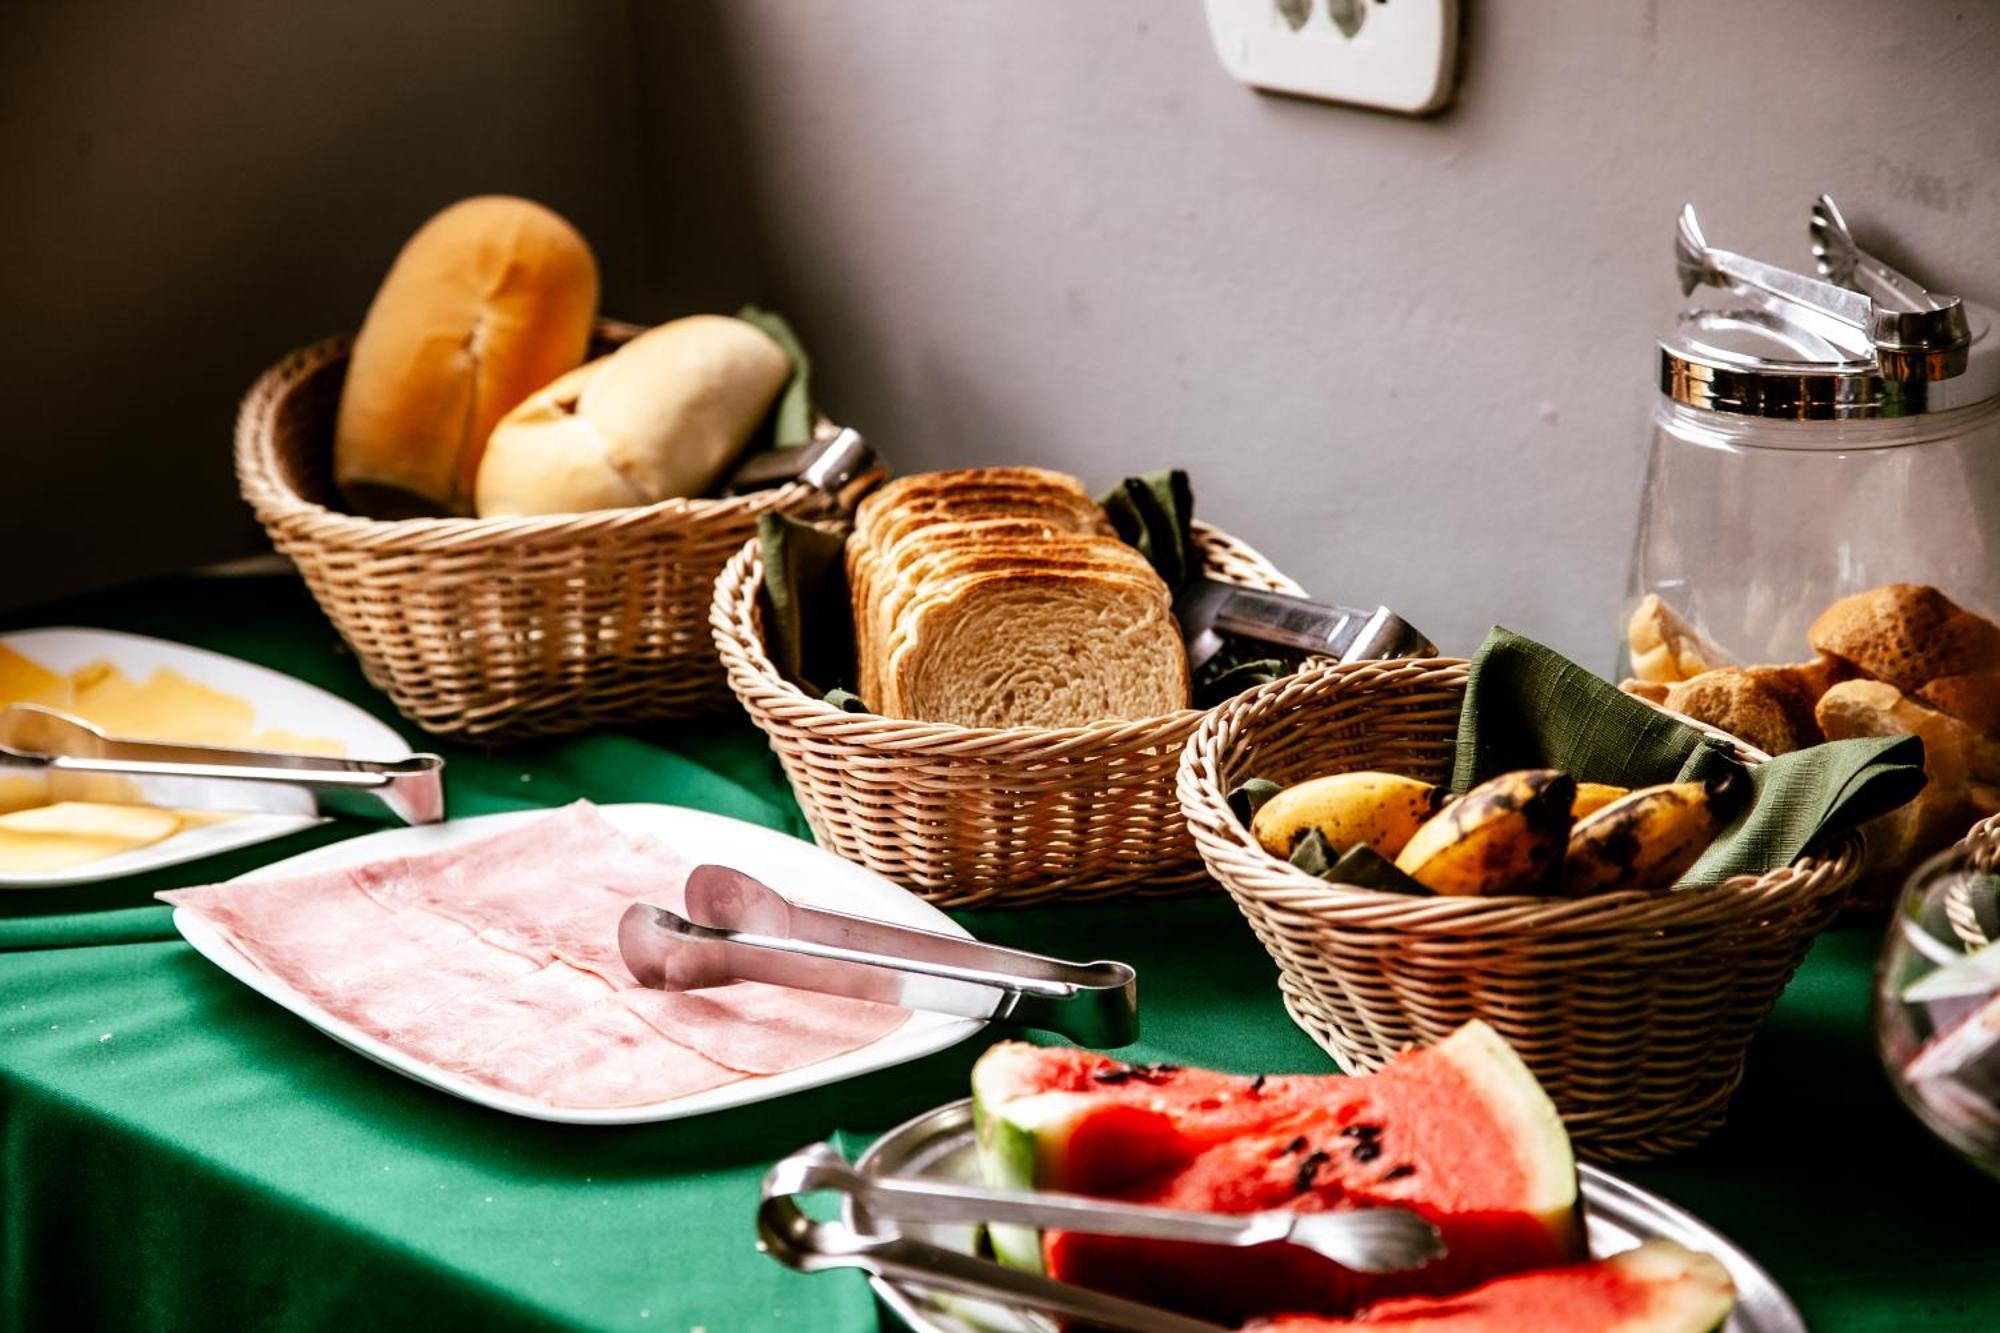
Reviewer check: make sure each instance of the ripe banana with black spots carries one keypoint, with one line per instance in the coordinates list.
(1645, 840)
(1381, 809)
(1594, 796)
(1506, 835)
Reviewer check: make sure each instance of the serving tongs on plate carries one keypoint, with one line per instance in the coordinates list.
(737, 928)
(80, 762)
(1366, 1240)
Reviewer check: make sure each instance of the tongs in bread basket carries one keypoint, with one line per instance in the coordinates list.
(1366, 1240)
(840, 466)
(74, 757)
(737, 928)
(1208, 609)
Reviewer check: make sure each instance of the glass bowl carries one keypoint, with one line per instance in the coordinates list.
(1937, 997)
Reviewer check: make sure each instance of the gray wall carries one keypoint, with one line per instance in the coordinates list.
(1410, 359)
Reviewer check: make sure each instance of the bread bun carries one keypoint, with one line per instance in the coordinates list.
(663, 416)
(1907, 634)
(487, 302)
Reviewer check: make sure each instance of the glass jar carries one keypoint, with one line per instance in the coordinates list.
(1750, 526)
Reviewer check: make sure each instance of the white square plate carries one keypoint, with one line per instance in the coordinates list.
(799, 870)
(277, 700)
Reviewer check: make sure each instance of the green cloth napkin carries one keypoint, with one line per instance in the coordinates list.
(791, 418)
(808, 614)
(1527, 706)
(1154, 513)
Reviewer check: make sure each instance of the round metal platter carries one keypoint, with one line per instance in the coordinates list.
(938, 1145)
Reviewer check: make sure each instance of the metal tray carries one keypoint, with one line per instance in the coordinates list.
(939, 1145)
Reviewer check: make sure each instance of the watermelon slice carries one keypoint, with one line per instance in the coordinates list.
(1657, 1288)
(1460, 1132)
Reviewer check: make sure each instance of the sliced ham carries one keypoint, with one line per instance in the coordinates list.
(603, 1055)
(498, 960)
(764, 1029)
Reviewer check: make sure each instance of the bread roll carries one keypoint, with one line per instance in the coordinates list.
(663, 416)
(487, 302)
(1664, 647)
(1907, 634)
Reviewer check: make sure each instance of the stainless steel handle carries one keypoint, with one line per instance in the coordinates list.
(786, 1234)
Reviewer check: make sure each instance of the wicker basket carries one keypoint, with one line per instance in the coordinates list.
(1982, 849)
(980, 817)
(1634, 1009)
(497, 628)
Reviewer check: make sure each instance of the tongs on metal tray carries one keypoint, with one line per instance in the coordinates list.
(76, 759)
(1367, 1240)
(737, 928)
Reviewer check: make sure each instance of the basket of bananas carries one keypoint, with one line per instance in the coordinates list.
(1623, 935)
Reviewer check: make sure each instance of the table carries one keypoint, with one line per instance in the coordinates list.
(177, 1152)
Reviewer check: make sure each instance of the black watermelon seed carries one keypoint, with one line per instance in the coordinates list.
(1367, 1150)
(1362, 1131)
(1296, 1145)
(1398, 1172)
(1256, 1085)
(1307, 1170)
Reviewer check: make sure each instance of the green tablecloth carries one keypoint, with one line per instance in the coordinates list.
(177, 1152)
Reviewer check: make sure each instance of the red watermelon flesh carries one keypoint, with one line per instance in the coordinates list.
(1459, 1132)
(1658, 1288)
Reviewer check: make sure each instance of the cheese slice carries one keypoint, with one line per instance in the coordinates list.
(56, 837)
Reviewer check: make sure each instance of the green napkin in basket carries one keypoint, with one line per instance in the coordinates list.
(791, 418)
(1527, 706)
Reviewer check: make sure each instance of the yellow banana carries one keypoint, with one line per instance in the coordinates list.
(1504, 836)
(1645, 840)
(1380, 809)
(1594, 796)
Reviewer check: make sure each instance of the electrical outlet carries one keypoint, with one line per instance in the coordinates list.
(1396, 55)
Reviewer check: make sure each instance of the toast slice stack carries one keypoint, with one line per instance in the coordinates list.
(997, 597)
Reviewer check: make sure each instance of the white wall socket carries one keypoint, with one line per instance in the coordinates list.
(1397, 55)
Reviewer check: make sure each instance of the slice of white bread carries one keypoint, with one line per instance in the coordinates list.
(1027, 553)
(1042, 649)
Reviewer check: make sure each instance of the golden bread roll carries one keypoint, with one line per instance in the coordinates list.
(1749, 705)
(1664, 647)
(661, 417)
(1973, 698)
(1907, 634)
(487, 302)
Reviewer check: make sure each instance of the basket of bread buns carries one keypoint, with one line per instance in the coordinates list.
(1016, 696)
(1901, 659)
(1622, 900)
(504, 503)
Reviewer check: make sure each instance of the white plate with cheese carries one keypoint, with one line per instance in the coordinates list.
(133, 685)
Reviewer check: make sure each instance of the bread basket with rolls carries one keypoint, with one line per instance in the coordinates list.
(505, 504)
(1634, 1003)
(993, 636)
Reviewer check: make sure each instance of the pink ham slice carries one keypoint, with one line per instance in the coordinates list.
(602, 1055)
(319, 934)
(499, 960)
(764, 1029)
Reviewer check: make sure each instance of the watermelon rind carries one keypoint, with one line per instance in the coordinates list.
(1015, 1133)
(1958, 988)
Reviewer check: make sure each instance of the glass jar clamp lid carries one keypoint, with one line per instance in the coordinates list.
(1861, 340)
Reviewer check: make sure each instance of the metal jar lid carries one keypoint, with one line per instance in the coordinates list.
(1764, 341)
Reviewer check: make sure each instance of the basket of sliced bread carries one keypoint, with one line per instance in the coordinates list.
(1901, 659)
(1621, 893)
(1011, 687)
(508, 506)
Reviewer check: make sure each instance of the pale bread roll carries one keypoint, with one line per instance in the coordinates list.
(662, 417)
(488, 301)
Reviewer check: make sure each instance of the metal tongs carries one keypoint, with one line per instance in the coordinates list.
(840, 466)
(737, 928)
(1209, 608)
(1869, 310)
(66, 749)
(1366, 1240)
